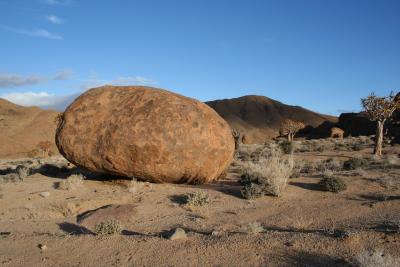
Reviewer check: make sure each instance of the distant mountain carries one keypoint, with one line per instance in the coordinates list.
(22, 128)
(259, 117)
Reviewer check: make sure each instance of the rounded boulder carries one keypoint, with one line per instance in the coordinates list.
(146, 133)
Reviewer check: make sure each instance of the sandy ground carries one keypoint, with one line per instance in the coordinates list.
(304, 227)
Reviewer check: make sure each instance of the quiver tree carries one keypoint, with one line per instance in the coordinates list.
(238, 138)
(380, 109)
(290, 127)
(44, 148)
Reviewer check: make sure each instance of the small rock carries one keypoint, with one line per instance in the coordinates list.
(42, 247)
(124, 213)
(44, 194)
(177, 234)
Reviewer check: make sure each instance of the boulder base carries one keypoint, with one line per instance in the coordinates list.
(147, 133)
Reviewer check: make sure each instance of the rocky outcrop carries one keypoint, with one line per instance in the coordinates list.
(259, 118)
(356, 124)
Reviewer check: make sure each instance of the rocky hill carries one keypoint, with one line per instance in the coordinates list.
(22, 128)
(259, 117)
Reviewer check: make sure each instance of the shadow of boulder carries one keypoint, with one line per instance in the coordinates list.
(74, 229)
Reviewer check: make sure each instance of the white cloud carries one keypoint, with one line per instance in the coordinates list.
(34, 33)
(9, 80)
(54, 19)
(41, 99)
(30, 98)
(132, 80)
(339, 111)
(64, 74)
(93, 81)
(13, 80)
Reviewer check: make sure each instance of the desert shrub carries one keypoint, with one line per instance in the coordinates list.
(253, 228)
(356, 147)
(72, 182)
(287, 147)
(309, 167)
(67, 209)
(134, 186)
(365, 140)
(333, 164)
(332, 184)
(376, 258)
(392, 159)
(256, 152)
(299, 167)
(389, 181)
(355, 163)
(9, 178)
(340, 146)
(270, 149)
(328, 174)
(318, 145)
(110, 227)
(197, 199)
(22, 172)
(267, 177)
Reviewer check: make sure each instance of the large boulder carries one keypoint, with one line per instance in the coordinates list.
(147, 133)
(356, 124)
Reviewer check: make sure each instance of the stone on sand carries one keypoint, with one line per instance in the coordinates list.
(147, 133)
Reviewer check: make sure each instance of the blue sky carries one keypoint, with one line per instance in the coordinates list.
(324, 55)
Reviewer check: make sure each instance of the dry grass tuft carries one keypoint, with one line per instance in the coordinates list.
(253, 228)
(269, 176)
(72, 182)
(67, 209)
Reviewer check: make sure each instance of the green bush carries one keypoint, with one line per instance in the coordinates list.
(333, 184)
(110, 227)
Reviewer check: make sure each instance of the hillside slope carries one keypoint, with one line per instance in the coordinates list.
(259, 117)
(22, 128)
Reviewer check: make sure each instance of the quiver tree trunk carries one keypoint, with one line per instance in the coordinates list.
(379, 138)
(290, 137)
